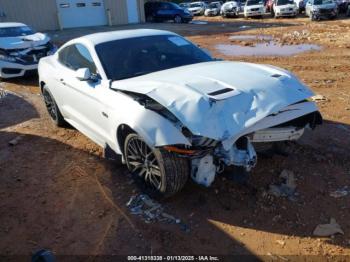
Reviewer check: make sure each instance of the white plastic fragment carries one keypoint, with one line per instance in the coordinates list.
(325, 230)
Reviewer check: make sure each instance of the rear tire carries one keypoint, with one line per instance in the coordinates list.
(163, 173)
(53, 109)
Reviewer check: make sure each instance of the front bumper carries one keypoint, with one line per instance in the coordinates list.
(211, 13)
(325, 13)
(286, 13)
(230, 13)
(10, 69)
(253, 13)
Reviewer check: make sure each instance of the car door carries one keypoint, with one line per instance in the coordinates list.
(165, 11)
(82, 101)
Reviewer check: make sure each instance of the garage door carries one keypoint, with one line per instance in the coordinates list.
(80, 13)
(133, 16)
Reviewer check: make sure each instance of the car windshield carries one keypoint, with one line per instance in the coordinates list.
(213, 5)
(284, 2)
(195, 5)
(174, 6)
(127, 58)
(255, 2)
(16, 31)
(322, 2)
(184, 5)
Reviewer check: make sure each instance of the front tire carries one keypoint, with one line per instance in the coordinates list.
(52, 108)
(177, 19)
(162, 172)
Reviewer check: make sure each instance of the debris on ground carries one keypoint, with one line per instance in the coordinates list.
(152, 211)
(326, 230)
(342, 192)
(281, 242)
(15, 141)
(277, 257)
(319, 98)
(286, 188)
(3, 93)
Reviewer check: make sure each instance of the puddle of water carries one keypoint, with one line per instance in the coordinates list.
(197, 22)
(265, 49)
(251, 37)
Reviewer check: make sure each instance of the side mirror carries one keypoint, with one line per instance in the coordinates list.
(83, 74)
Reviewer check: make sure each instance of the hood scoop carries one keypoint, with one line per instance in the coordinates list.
(213, 88)
(223, 93)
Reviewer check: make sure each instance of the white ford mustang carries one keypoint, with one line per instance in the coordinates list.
(168, 108)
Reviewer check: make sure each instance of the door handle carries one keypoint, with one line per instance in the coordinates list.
(62, 81)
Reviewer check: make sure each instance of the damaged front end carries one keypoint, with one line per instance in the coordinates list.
(225, 117)
(209, 157)
(17, 62)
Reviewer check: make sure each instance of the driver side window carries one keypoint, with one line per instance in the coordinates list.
(77, 56)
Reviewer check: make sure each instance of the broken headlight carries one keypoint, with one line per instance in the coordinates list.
(52, 48)
(5, 57)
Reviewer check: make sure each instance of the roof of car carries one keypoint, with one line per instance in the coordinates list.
(5, 25)
(98, 38)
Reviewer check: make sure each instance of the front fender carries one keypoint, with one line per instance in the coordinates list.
(155, 129)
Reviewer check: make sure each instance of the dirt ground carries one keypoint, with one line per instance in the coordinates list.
(57, 192)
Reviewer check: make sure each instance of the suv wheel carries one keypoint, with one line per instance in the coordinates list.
(162, 172)
(177, 19)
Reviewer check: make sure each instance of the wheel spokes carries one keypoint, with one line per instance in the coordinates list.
(143, 162)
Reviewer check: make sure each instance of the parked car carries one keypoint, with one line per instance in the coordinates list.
(197, 8)
(21, 49)
(285, 8)
(185, 5)
(269, 5)
(241, 4)
(230, 9)
(213, 9)
(165, 11)
(342, 5)
(301, 5)
(168, 108)
(254, 8)
(318, 9)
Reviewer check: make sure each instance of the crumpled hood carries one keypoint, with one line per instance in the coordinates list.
(23, 42)
(220, 99)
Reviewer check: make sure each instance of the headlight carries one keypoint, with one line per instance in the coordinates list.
(53, 49)
(7, 58)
